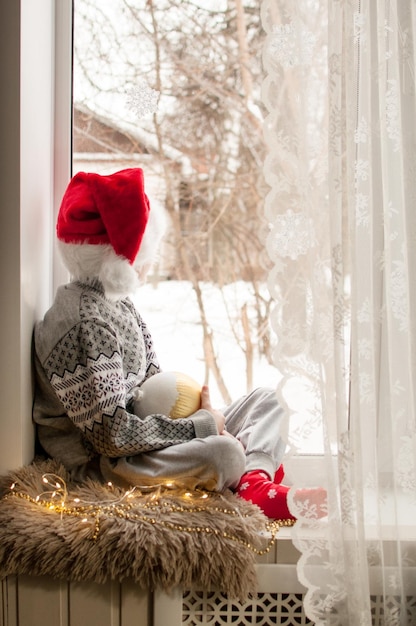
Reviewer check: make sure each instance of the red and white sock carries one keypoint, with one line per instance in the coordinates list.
(269, 495)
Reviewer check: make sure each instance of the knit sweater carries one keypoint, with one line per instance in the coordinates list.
(89, 354)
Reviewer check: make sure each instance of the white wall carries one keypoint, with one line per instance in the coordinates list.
(28, 152)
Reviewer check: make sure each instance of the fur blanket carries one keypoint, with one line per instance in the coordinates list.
(96, 533)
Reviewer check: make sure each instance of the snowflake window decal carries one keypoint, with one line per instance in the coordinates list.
(142, 99)
(292, 44)
(293, 234)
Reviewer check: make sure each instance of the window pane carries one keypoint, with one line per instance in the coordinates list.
(174, 87)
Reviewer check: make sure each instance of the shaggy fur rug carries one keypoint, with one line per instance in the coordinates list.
(161, 539)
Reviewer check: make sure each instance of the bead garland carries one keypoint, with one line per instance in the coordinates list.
(57, 501)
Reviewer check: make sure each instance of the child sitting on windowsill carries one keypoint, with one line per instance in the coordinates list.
(92, 349)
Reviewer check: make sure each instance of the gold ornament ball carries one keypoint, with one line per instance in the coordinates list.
(174, 394)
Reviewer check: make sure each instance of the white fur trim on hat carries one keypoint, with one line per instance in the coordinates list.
(87, 263)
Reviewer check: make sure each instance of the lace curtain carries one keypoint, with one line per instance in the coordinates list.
(339, 90)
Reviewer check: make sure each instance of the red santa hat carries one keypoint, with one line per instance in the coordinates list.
(112, 209)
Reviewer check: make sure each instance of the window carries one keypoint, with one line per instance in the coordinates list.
(191, 117)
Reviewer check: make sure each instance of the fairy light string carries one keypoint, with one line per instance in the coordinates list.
(152, 501)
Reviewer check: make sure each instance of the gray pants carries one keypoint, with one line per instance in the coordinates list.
(215, 462)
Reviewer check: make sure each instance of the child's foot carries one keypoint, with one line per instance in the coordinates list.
(271, 496)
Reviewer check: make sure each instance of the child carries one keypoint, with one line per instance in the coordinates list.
(93, 348)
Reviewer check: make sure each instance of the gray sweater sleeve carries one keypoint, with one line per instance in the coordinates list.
(92, 390)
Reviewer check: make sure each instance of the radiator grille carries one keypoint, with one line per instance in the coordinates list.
(264, 609)
(286, 609)
(389, 610)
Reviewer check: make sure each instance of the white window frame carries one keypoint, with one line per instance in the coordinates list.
(35, 140)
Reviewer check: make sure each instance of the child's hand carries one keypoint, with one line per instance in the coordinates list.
(206, 404)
